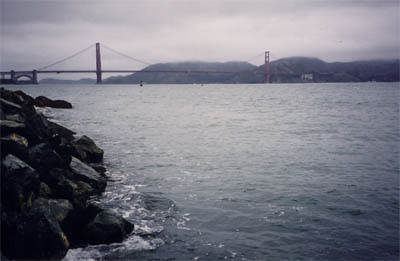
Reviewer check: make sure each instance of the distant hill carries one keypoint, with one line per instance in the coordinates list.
(58, 81)
(186, 77)
(286, 70)
(300, 69)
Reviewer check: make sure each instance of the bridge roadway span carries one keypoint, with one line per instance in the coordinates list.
(133, 71)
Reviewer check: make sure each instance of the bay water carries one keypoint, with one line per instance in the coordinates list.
(244, 172)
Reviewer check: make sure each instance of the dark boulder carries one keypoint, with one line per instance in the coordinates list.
(77, 223)
(62, 186)
(99, 167)
(86, 150)
(15, 117)
(19, 184)
(61, 104)
(44, 190)
(42, 101)
(59, 208)
(57, 175)
(107, 228)
(9, 107)
(23, 101)
(78, 193)
(33, 235)
(14, 144)
(85, 173)
(25, 97)
(8, 127)
(28, 108)
(18, 97)
(38, 129)
(2, 115)
(62, 131)
(43, 158)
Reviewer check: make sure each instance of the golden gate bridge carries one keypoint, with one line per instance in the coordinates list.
(32, 75)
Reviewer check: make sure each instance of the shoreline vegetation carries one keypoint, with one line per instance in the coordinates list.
(48, 175)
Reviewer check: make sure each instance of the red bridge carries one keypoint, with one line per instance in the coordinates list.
(15, 76)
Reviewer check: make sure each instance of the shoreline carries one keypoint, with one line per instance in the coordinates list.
(48, 175)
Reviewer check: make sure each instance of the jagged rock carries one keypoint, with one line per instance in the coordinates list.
(44, 190)
(2, 115)
(17, 97)
(24, 96)
(33, 235)
(15, 117)
(14, 144)
(23, 100)
(62, 131)
(78, 193)
(9, 107)
(38, 129)
(87, 174)
(59, 208)
(63, 187)
(28, 108)
(107, 228)
(61, 104)
(42, 101)
(78, 220)
(56, 175)
(99, 167)
(43, 158)
(86, 150)
(19, 184)
(82, 192)
(7, 127)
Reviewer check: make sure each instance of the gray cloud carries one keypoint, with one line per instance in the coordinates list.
(35, 33)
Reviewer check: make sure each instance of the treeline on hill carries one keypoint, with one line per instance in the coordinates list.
(286, 70)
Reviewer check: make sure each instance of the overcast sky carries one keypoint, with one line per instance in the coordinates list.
(37, 33)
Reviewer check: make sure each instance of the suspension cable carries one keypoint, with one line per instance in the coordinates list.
(67, 58)
(252, 58)
(125, 55)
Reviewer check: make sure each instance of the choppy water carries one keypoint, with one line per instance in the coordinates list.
(246, 172)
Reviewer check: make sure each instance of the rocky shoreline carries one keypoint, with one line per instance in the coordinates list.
(48, 175)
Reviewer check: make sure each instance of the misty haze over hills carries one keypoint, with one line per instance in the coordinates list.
(286, 70)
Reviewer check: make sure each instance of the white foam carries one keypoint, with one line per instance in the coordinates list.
(92, 253)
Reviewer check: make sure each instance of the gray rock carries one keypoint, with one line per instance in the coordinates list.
(38, 129)
(44, 158)
(59, 208)
(14, 144)
(43, 101)
(62, 131)
(24, 97)
(7, 127)
(85, 173)
(33, 235)
(19, 184)
(86, 150)
(99, 167)
(78, 193)
(56, 175)
(44, 190)
(108, 228)
(15, 117)
(9, 107)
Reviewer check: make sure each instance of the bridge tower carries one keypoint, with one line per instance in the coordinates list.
(266, 79)
(98, 63)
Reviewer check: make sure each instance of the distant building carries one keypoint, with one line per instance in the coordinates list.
(307, 77)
